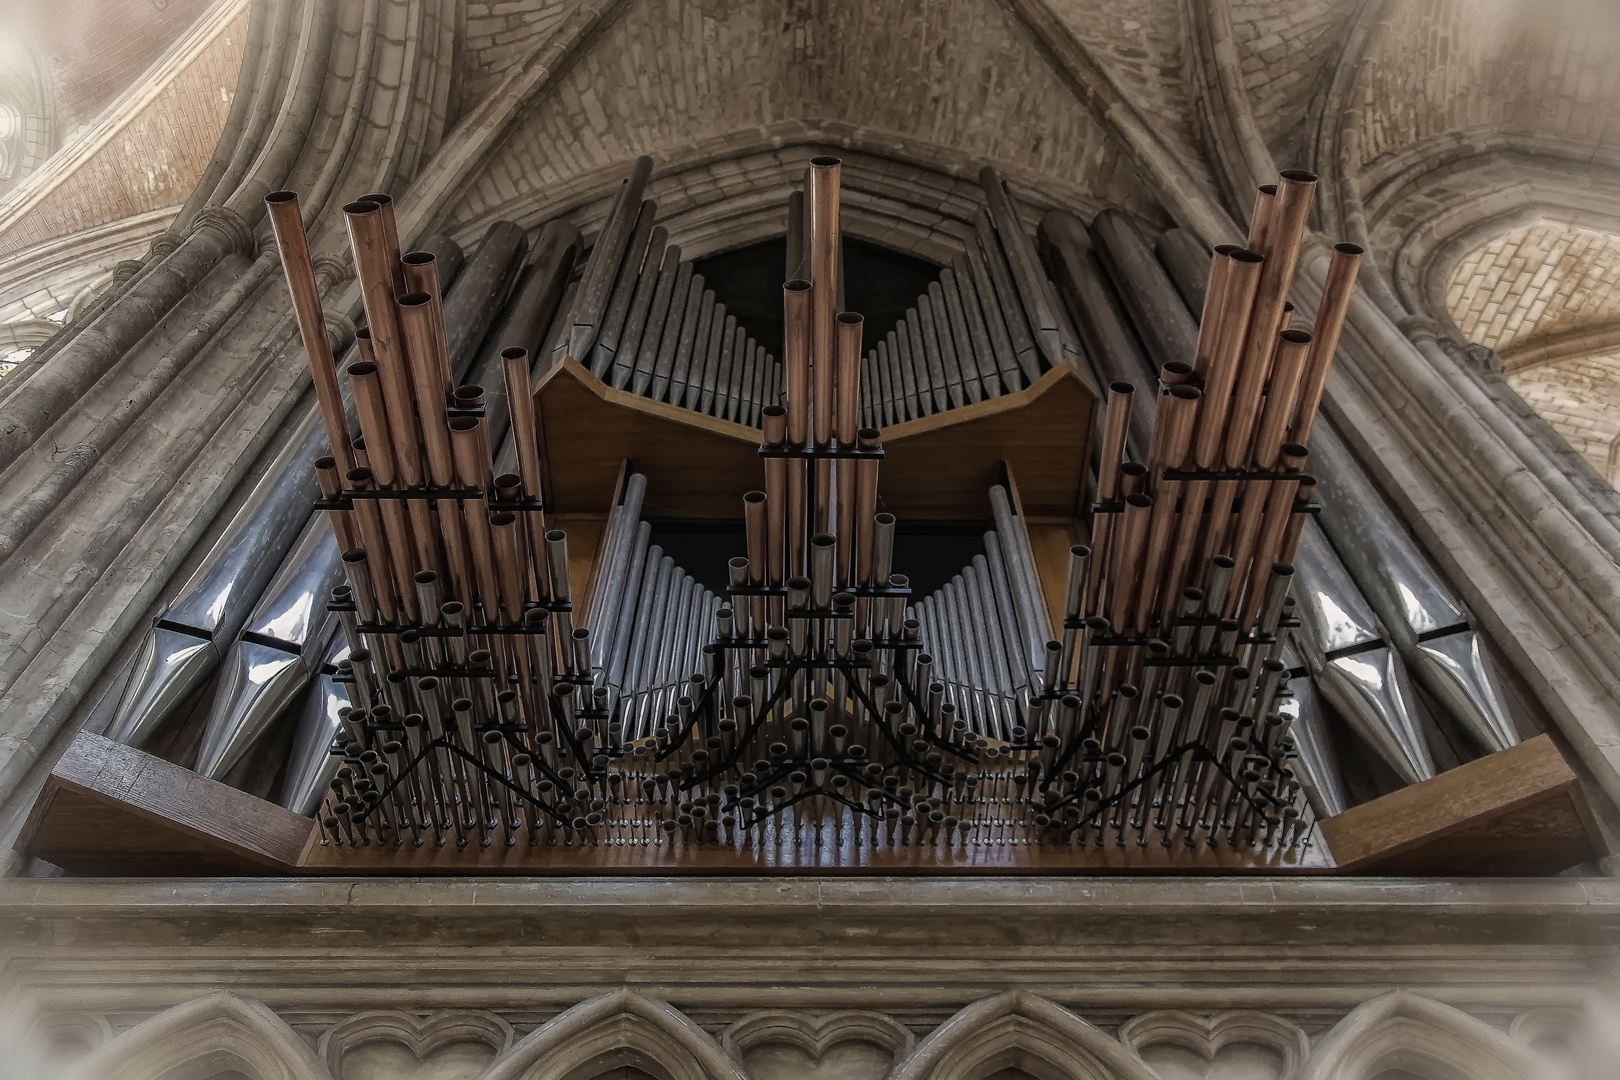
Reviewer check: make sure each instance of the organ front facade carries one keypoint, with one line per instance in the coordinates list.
(784, 590)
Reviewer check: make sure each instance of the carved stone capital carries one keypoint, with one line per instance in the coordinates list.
(230, 224)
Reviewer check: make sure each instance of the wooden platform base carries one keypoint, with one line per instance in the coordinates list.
(110, 810)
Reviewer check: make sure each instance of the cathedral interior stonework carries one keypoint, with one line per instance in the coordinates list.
(809, 540)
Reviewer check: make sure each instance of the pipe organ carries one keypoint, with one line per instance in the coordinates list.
(1142, 668)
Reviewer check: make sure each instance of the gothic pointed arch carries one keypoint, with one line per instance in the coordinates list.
(1403, 1030)
(202, 1038)
(618, 1030)
(1020, 1030)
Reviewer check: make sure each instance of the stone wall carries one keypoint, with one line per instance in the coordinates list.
(919, 979)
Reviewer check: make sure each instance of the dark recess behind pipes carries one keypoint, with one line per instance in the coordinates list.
(929, 553)
(879, 283)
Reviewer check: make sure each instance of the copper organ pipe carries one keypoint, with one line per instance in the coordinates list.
(424, 346)
(1178, 408)
(331, 484)
(1265, 204)
(472, 472)
(390, 238)
(1232, 319)
(796, 349)
(526, 436)
(824, 245)
(1284, 231)
(847, 416)
(1210, 325)
(1127, 557)
(1293, 347)
(1277, 513)
(387, 580)
(824, 288)
(1305, 494)
(1336, 293)
(288, 226)
(866, 484)
(773, 423)
(1116, 419)
(503, 527)
(375, 271)
(850, 327)
(366, 383)
(421, 270)
(755, 529)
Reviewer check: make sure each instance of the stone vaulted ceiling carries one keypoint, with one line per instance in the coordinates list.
(1469, 143)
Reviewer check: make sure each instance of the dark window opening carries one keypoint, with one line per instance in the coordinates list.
(928, 553)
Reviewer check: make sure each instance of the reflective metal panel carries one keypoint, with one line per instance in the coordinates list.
(310, 768)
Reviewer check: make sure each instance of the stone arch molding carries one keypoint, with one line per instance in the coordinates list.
(422, 1036)
(1020, 1030)
(615, 1030)
(1207, 1036)
(817, 1034)
(1402, 1030)
(202, 1038)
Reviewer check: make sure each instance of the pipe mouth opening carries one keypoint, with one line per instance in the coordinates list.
(556, 536)
(1349, 249)
(1298, 176)
(773, 411)
(361, 207)
(502, 518)
(796, 285)
(1268, 189)
(851, 318)
(361, 369)
(275, 198)
(884, 518)
(1120, 386)
(515, 352)
(325, 462)
(360, 475)
(754, 497)
(463, 423)
(414, 300)
(826, 161)
(1244, 255)
(1133, 468)
(1296, 337)
(1183, 392)
(418, 258)
(1294, 449)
